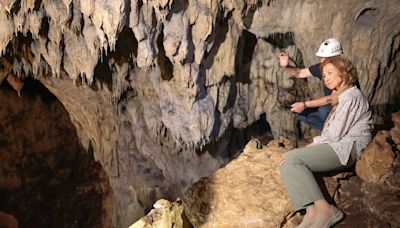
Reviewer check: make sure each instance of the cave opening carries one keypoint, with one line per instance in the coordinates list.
(232, 143)
(47, 179)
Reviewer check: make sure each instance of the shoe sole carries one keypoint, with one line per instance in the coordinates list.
(338, 216)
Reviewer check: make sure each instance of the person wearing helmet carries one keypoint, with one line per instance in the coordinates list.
(346, 133)
(313, 112)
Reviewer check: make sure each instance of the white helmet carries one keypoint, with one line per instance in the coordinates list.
(329, 48)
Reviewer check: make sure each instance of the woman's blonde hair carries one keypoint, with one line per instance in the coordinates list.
(348, 74)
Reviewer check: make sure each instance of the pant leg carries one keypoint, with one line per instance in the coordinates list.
(312, 117)
(324, 111)
(315, 117)
(297, 172)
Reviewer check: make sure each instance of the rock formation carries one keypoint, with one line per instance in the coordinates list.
(165, 91)
(248, 192)
(46, 177)
(165, 214)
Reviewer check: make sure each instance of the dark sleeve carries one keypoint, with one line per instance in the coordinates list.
(315, 70)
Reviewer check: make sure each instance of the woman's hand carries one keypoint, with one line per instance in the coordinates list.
(311, 144)
(282, 160)
(298, 107)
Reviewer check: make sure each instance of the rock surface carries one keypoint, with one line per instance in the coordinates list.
(376, 163)
(247, 192)
(165, 92)
(165, 214)
(46, 176)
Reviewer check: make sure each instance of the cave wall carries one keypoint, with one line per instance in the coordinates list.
(163, 91)
(46, 178)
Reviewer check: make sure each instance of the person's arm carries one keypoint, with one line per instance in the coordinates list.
(293, 71)
(300, 106)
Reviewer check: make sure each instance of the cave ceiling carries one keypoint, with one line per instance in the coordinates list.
(166, 85)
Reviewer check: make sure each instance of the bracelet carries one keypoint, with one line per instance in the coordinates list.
(305, 105)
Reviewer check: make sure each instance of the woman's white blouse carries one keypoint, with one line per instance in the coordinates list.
(348, 124)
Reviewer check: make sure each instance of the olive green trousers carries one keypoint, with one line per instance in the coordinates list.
(297, 172)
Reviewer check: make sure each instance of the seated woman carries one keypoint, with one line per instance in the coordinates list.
(346, 132)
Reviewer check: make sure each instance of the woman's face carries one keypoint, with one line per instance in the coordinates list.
(332, 77)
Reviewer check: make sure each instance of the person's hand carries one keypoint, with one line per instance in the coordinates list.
(282, 160)
(311, 144)
(298, 107)
(283, 59)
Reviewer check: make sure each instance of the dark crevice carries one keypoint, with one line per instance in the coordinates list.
(82, 25)
(281, 40)
(38, 3)
(268, 3)
(246, 46)
(127, 12)
(70, 9)
(217, 124)
(126, 46)
(44, 27)
(166, 66)
(103, 73)
(189, 58)
(177, 7)
(33, 87)
(232, 142)
(127, 95)
(244, 56)
(217, 37)
(201, 85)
(249, 14)
(230, 102)
(154, 20)
(16, 7)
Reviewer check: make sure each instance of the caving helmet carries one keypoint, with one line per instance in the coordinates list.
(329, 48)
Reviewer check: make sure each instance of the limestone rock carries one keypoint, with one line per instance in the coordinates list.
(15, 83)
(165, 214)
(376, 161)
(247, 192)
(395, 131)
(384, 203)
(163, 90)
(350, 198)
(380, 162)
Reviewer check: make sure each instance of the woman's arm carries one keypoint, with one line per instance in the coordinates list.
(300, 106)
